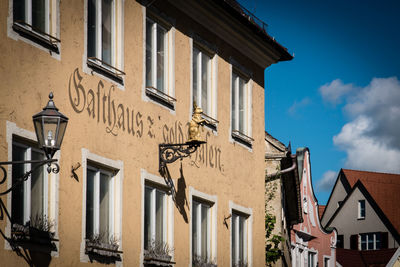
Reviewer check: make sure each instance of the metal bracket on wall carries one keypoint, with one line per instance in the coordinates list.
(169, 153)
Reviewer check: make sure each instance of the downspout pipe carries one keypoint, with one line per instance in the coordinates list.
(274, 175)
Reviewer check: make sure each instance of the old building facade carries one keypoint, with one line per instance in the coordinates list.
(282, 193)
(128, 74)
(312, 245)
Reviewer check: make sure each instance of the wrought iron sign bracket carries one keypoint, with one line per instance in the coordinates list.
(36, 165)
(169, 153)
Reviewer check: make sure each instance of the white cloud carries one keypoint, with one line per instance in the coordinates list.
(327, 181)
(334, 92)
(297, 105)
(371, 139)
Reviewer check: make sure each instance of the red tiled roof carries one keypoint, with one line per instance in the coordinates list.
(321, 209)
(384, 189)
(356, 258)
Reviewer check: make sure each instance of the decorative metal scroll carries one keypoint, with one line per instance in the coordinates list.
(37, 164)
(169, 153)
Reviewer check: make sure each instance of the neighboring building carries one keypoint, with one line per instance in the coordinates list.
(395, 260)
(363, 207)
(282, 180)
(312, 245)
(364, 258)
(127, 74)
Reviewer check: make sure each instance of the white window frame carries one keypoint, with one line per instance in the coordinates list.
(328, 259)
(361, 203)
(211, 113)
(115, 70)
(248, 252)
(90, 159)
(314, 255)
(96, 202)
(166, 97)
(245, 136)
(51, 34)
(159, 182)
(152, 229)
(52, 183)
(27, 184)
(212, 202)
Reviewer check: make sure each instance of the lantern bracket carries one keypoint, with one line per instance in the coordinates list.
(20, 180)
(169, 153)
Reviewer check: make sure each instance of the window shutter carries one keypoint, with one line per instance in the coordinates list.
(354, 242)
(385, 239)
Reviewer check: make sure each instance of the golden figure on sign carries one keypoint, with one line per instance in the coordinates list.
(194, 124)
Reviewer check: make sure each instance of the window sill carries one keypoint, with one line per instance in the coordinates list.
(103, 253)
(105, 69)
(242, 138)
(360, 218)
(33, 239)
(160, 97)
(151, 260)
(41, 38)
(210, 122)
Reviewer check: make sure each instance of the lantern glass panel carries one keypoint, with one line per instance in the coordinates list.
(39, 131)
(50, 125)
(61, 132)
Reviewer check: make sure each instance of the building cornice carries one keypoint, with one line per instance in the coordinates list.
(220, 18)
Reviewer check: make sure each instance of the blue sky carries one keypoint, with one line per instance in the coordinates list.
(340, 95)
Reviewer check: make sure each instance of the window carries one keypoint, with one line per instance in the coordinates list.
(203, 83)
(99, 204)
(241, 108)
(155, 217)
(239, 240)
(340, 240)
(158, 82)
(36, 21)
(104, 38)
(311, 259)
(158, 221)
(339, 203)
(201, 231)
(29, 203)
(326, 262)
(370, 241)
(102, 212)
(361, 209)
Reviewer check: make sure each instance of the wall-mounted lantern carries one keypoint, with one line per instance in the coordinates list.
(50, 128)
(169, 153)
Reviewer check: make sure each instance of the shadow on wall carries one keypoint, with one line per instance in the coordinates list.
(179, 192)
(32, 244)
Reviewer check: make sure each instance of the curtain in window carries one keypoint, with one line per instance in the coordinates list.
(204, 231)
(234, 77)
(159, 216)
(37, 189)
(196, 54)
(106, 30)
(104, 220)
(149, 45)
(161, 67)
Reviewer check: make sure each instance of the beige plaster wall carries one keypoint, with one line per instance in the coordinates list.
(29, 73)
